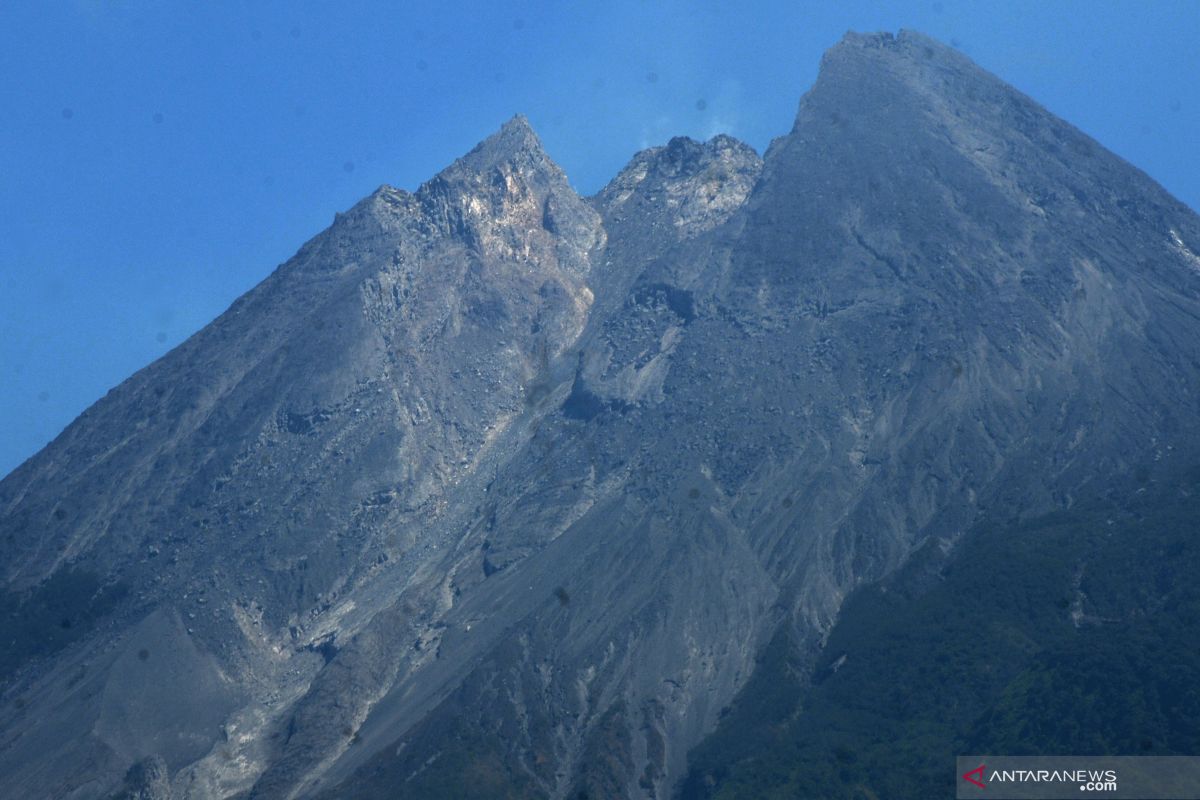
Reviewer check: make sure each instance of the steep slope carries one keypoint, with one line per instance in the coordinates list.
(1056, 634)
(248, 491)
(938, 301)
(1050, 282)
(570, 542)
(492, 491)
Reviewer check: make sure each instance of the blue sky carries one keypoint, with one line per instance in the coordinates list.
(158, 158)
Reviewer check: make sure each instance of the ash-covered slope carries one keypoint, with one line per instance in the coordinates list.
(938, 300)
(259, 494)
(496, 492)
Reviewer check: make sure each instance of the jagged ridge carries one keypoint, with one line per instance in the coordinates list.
(494, 486)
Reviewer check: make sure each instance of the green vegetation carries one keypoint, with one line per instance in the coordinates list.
(1070, 634)
(476, 767)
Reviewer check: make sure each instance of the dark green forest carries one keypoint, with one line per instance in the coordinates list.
(1071, 633)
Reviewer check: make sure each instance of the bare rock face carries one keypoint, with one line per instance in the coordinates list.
(245, 496)
(148, 779)
(665, 197)
(687, 187)
(495, 491)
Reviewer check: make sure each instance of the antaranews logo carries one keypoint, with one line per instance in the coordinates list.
(1089, 780)
(1055, 777)
(975, 776)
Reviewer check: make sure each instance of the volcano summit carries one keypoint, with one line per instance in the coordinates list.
(496, 491)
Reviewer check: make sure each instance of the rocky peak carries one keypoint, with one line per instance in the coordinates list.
(508, 199)
(912, 57)
(913, 89)
(915, 80)
(510, 161)
(514, 141)
(891, 111)
(696, 185)
(440, 462)
(906, 45)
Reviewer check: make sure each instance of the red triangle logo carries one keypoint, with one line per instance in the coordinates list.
(975, 776)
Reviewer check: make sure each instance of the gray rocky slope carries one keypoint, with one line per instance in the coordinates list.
(497, 491)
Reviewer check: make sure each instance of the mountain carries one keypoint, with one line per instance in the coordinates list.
(1061, 633)
(496, 491)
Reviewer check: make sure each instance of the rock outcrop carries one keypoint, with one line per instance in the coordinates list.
(497, 491)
